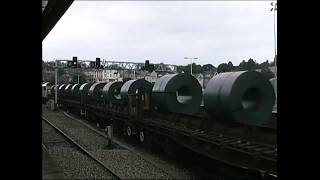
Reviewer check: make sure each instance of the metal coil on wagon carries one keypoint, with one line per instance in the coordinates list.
(245, 96)
(83, 91)
(53, 88)
(68, 89)
(75, 90)
(61, 89)
(96, 89)
(179, 93)
(111, 91)
(135, 86)
(84, 88)
(46, 84)
(62, 86)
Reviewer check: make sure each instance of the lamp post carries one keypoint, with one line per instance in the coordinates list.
(274, 9)
(191, 63)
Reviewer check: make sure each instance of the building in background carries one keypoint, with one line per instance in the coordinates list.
(111, 75)
(127, 74)
(141, 74)
(151, 77)
(98, 75)
(90, 75)
(47, 75)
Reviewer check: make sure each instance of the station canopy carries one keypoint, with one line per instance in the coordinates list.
(52, 11)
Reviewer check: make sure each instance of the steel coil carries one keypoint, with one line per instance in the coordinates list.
(96, 89)
(68, 89)
(83, 91)
(244, 96)
(61, 89)
(75, 90)
(111, 91)
(135, 86)
(179, 93)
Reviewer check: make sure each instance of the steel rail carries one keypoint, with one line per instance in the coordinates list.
(81, 148)
(120, 144)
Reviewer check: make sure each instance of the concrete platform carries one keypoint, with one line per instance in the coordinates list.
(49, 168)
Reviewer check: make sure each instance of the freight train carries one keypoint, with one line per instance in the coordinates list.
(229, 121)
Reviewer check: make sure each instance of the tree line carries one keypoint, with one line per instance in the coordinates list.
(248, 65)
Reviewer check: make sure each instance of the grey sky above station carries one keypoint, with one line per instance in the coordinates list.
(163, 31)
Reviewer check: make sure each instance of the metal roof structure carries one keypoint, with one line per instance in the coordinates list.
(44, 4)
(52, 11)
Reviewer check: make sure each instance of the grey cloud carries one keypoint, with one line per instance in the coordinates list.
(164, 31)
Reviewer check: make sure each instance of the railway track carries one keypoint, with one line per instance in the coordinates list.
(136, 162)
(81, 148)
(162, 168)
(238, 147)
(235, 144)
(242, 149)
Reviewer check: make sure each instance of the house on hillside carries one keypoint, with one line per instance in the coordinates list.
(151, 77)
(110, 75)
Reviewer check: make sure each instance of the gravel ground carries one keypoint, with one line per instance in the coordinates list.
(81, 134)
(76, 165)
(129, 166)
(73, 163)
(160, 161)
(51, 138)
(124, 163)
(163, 162)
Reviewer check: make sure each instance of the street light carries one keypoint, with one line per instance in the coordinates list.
(274, 9)
(190, 64)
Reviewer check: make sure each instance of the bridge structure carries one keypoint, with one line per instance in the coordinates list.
(160, 67)
(125, 65)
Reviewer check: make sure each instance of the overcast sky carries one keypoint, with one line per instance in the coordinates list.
(162, 31)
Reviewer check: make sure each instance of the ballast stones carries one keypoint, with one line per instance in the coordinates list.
(178, 93)
(244, 96)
